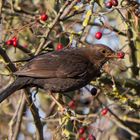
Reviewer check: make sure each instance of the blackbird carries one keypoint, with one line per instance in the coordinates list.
(61, 71)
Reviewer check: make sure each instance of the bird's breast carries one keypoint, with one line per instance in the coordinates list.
(92, 72)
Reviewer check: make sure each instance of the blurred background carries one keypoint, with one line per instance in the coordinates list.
(106, 109)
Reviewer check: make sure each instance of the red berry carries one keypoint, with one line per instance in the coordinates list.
(114, 2)
(98, 35)
(104, 111)
(120, 55)
(59, 47)
(108, 5)
(44, 17)
(82, 138)
(14, 39)
(15, 43)
(91, 137)
(81, 130)
(9, 42)
(71, 104)
(93, 91)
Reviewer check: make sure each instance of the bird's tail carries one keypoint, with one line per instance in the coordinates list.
(19, 83)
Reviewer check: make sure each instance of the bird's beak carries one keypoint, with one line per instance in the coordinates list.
(113, 55)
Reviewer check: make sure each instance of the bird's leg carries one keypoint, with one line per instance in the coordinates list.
(35, 93)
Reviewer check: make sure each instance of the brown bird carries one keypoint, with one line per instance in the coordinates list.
(61, 71)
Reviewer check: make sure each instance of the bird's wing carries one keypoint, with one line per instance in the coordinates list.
(52, 65)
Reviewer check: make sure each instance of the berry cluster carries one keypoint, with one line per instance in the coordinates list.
(82, 131)
(111, 3)
(13, 41)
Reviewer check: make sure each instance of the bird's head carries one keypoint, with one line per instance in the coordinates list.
(99, 54)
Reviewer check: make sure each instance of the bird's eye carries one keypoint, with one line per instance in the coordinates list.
(103, 51)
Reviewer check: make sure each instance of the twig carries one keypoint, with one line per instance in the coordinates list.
(73, 14)
(127, 82)
(33, 108)
(120, 122)
(47, 33)
(25, 50)
(129, 119)
(85, 28)
(10, 65)
(68, 9)
(55, 100)
(16, 13)
(17, 118)
(109, 27)
(1, 4)
(134, 68)
(50, 109)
